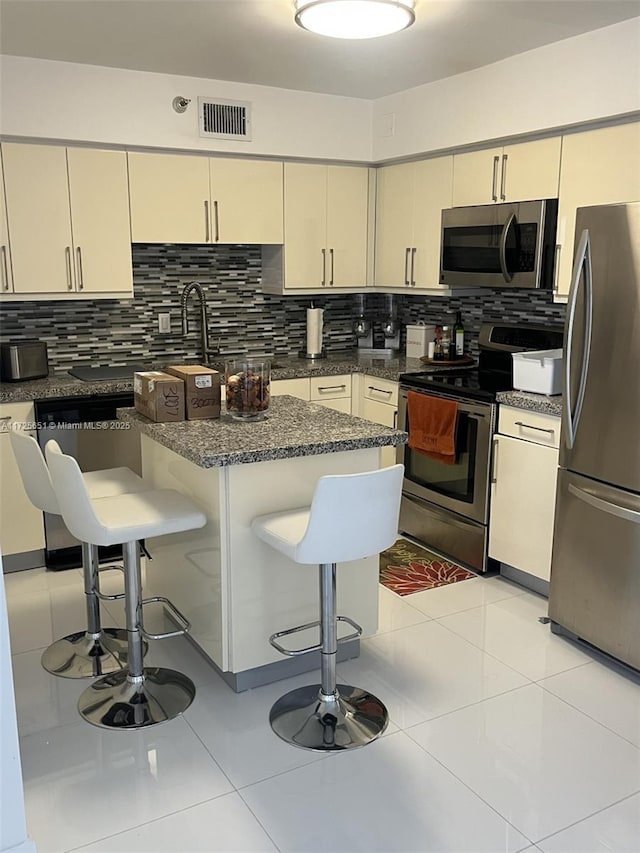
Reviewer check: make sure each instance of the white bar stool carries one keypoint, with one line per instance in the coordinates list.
(96, 650)
(351, 516)
(138, 696)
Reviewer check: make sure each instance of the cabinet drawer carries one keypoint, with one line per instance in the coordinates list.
(330, 387)
(380, 390)
(529, 426)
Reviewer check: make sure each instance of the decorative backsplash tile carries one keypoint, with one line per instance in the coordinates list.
(241, 317)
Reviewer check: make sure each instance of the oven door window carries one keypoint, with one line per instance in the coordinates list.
(455, 481)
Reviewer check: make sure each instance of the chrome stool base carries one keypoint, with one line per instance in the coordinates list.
(81, 655)
(304, 719)
(116, 702)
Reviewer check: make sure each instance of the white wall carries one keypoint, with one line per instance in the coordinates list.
(86, 103)
(581, 79)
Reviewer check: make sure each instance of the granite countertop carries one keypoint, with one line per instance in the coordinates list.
(283, 367)
(542, 403)
(290, 428)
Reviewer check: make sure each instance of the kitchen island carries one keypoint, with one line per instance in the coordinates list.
(234, 589)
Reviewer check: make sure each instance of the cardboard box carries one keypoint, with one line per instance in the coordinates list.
(159, 396)
(201, 390)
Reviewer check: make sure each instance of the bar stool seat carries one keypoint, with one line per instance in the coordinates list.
(95, 650)
(137, 696)
(351, 516)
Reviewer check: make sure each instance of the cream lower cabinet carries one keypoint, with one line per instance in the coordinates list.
(409, 202)
(378, 402)
(326, 230)
(293, 387)
(68, 220)
(523, 491)
(598, 167)
(520, 172)
(334, 392)
(21, 524)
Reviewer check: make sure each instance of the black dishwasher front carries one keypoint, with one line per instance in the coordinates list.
(85, 428)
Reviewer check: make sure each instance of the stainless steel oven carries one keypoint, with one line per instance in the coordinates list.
(447, 506)
(499, 245)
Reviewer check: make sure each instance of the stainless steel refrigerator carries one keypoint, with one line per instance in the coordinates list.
(595, 567)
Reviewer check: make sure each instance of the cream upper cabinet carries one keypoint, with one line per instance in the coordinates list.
(410, 199)
(325, 226)
(598, 167)
(77, 200)
(99, 195)
(6, 274)
(520, 172)
(246, 201)
(169, 198)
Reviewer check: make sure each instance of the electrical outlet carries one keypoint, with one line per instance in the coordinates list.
(164, 323)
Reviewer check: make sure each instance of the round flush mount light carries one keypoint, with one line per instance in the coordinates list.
(355, 19)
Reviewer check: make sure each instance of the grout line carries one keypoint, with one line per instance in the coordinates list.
(588, 817)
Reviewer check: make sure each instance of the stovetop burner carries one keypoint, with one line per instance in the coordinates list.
(474, 384)
(98, 374)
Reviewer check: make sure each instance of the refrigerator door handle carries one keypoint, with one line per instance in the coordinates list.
(627, 513)
(583, 261)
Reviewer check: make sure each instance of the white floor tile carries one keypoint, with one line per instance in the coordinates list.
(395, 611)
(44, 701)
(510, 630)
(389, 796)
(179, 653)
(223, 825)
(463, 595)
(30, 580)
(539, 762)
(83, 783)
(603, 692)
(613, 830)
(424, 671)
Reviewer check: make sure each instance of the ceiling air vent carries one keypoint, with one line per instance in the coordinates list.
(225, 119)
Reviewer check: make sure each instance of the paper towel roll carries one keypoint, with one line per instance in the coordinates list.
(314, 331)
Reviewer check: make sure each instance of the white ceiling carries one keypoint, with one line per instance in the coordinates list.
(256, 41)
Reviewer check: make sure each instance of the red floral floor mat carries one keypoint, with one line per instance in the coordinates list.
(407, 568)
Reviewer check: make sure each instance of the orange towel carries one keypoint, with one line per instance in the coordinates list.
(432, 426)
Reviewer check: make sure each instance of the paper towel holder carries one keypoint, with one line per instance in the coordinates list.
(322, 353)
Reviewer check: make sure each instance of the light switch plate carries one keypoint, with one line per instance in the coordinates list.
(164, 323)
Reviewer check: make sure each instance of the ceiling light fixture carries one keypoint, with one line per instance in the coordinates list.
(355, 19)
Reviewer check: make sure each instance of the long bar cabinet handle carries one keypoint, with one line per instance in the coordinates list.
(80, 273)
(379, 390)
(330, 387)
(207, 227)
(503, 178)
(5, 268)
(530, 426)
(331, 256)
(494, 181)
(324, 267)
(67, 256)
(494, 461)
(406, 267)
(413, 267)
(216, 221)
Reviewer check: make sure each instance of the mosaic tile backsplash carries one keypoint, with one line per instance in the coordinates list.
(241, 317)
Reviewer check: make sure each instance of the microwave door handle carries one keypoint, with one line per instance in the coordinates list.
(503, 247)
(582, 262)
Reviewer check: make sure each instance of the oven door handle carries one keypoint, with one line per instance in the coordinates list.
(503, 247)
(473, 415)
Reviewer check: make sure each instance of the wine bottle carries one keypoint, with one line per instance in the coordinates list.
(458, 335)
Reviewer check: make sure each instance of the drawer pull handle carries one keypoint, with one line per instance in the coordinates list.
(5, 418)
(379, 390)
(530, 426)
(331, 387)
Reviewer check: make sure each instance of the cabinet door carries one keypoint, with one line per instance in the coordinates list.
(522, 505)
(530, 170)
(247, 201)
(598, 167)
(169, 198)
(21, 524)
(293, 387)
(6, 275)
(476, 177)
(433, 188)
(379, 413)
(99, 194)
(394, 224)
(37, 191)
(305, 225)
(347, 225)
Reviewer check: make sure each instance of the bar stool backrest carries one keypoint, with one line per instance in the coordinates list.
(73, 496)
(352, 516)
(34, 472)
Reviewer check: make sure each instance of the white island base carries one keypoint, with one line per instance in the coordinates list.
(235, 590)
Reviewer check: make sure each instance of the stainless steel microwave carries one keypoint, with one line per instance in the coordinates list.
(499, 245)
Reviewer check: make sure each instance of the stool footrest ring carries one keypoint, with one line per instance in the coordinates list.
(318, 646)
(165, 635)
